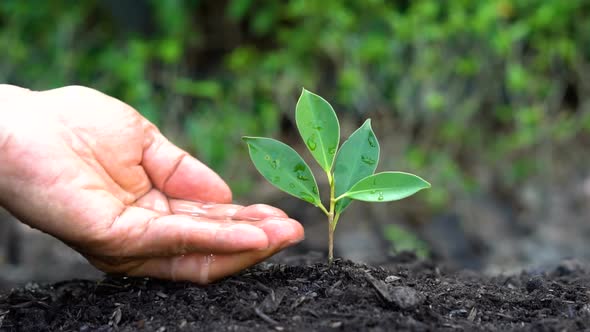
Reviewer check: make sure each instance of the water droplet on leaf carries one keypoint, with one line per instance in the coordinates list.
(332, 151)
(380, 197)
(367, 160)
(372, 141)
(292, 185)
(267, 157)
(302, 177)
(299, 170)
(276, 179)
(311, 143)
(275, 163)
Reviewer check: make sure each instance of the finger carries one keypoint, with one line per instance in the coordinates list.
(139, 232)
(259, 211)
(205, 210)
(205, 268)
(179, 175)
(199, 268)
(154, 200)
(225, 211)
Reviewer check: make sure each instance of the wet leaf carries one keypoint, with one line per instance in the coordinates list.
(386, 186)
(357, 159)
(283, 167)
(319, 127)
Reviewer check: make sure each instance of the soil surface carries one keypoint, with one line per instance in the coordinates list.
(302, 296)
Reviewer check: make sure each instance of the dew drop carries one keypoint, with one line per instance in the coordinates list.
(267, 157)
(302, 177)
(372, 141)
(299, 171)
(315, 190)
(332, 150)
(292, 185)
(367, 160)
(318, 128)
(299, 168)
(373, 192)
(380, 197)
(311, 143)
(275, 163)
(276, 179)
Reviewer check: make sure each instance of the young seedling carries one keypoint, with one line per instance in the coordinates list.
(349, 169)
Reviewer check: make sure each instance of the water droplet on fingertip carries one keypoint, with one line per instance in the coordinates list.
(206, 262)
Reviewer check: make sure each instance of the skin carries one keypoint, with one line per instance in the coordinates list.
(91, 171)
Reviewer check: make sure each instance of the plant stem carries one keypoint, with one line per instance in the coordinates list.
(331, 223)
(330, 240)
(321, 206)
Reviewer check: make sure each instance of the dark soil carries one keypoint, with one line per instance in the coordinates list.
(409, 295)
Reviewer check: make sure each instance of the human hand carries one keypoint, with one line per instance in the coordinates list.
(90, 170)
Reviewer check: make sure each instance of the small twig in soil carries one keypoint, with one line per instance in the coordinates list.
(266, 289)
(265, 317)
(2, 315)
(504, 315)
(311, 312)
(472, 314)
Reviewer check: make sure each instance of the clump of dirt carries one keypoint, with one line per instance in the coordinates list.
(409, 295)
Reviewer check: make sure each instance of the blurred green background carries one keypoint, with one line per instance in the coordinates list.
(478, 97)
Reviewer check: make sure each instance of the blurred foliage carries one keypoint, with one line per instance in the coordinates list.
(463, 82)
(403, 240)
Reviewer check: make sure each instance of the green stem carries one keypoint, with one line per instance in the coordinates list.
(331, 220)
(323, 208)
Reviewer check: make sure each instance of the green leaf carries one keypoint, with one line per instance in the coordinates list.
(284, 168)
(357, 159)
(386, 186)
(319, 127)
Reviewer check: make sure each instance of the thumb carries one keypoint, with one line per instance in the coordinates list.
(179, 175)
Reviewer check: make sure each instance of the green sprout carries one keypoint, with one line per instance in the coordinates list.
(350, 169)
